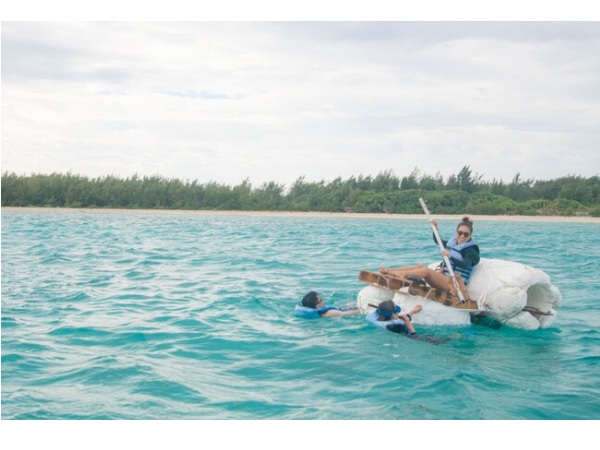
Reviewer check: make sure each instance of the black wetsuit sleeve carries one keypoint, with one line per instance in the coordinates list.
(436, 241)
(470, 257)
(398, 328)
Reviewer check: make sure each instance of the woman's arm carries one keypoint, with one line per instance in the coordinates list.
(408, 323)
(469, 257)
(436, 241)
(338, 313)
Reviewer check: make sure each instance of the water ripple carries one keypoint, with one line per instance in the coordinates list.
(142, 316)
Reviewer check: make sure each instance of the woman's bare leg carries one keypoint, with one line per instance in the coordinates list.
(397, 270)
(434, 279)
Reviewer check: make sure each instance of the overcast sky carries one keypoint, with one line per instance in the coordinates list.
(273, 101)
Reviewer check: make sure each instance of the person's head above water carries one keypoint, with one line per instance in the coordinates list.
(387, 310)
(312, 300)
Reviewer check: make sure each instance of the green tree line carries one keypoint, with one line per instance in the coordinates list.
(465, 192)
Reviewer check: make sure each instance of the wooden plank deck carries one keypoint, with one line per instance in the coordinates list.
(395, 283)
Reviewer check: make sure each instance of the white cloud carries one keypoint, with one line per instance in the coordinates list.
(273, 101)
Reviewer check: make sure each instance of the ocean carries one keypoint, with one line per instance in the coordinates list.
(175, 316)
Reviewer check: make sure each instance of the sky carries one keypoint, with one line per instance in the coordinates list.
(263, 101)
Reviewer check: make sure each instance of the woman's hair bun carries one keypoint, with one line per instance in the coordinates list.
(466, 222)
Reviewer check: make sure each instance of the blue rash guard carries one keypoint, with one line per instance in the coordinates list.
(463, 257)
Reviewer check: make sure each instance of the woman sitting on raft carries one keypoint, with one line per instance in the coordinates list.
(315, 301)
(388, 311)
(461, 250)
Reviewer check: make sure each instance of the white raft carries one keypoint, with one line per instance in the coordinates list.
(514, 294)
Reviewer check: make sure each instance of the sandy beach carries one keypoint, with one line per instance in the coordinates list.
(573, 219)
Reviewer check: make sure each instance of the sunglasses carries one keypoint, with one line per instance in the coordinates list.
(463, 233)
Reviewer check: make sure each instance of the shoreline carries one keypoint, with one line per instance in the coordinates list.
(337, 215)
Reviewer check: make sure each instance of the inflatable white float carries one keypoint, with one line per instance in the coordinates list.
(513, 294)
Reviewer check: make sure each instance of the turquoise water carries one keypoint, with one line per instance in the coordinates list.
(189, 316)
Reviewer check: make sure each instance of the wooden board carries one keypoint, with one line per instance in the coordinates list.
(395, 283)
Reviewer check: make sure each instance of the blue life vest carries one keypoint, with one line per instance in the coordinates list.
(312, 313)
(397, 325)
(455, 252)
(372, 319)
